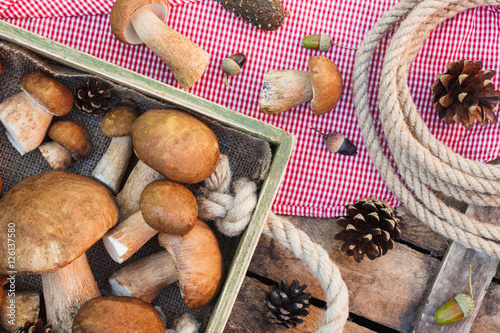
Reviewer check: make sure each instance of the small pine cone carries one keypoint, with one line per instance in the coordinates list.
(370, 228)
(465, 93)
(36, 327)
(94, 98)
(287, 304)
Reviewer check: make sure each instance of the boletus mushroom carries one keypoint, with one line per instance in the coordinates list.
(26, 305)
(56, 216)
(196, 258)
(116, 124)
(285, 89)
(142, 21)
(115, 314)
(26, 116)
(166, 206)
(70, 140)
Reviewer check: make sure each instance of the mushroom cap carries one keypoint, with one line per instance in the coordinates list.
(176, 144)
(198, 261)
(326, 83)
(118, 121)
(56, 216)
(168, 207)
(53, 96)
(73, 136)
(120, 314)
(120, 17)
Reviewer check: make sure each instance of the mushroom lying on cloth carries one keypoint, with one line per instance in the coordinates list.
(27, 115)
(56, 216)
(141, 21)
(286, 89)
(112, 314)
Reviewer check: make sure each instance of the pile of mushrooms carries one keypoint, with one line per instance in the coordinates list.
(56, 217)
(285, 89)
(26, 116)
(141, 21)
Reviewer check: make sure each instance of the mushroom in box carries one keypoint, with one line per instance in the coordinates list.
(56, 217)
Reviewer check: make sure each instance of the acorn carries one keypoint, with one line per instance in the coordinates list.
(232, 65)
(317, 42)
(338, 143)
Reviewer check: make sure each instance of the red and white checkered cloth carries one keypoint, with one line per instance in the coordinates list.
(317, 182)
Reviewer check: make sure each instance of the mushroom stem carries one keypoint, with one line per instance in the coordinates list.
(185, 59)
(128, 237)
(129, 196)
(285, 89)
(58, 157)
(144, 278)
(27, 307)
(66, 290)
(114, 162)
(25, 121)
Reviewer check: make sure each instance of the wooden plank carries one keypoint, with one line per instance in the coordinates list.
(248, 314)
(488, 318)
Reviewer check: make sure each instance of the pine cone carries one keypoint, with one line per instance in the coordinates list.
(287, 304)
(94, 98)
(36, 327)
(370, 228)
(465, 93)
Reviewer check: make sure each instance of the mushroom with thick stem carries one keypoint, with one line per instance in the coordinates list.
(116, 314)
(166, 206)
(26, 308)
(286, 89)
(198, 267)
(142, 21)
(56, 217)
(26, 116)
(116, 124)
(70, 140)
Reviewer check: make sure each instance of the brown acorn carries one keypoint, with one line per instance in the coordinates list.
(232, 65)
(338, 143)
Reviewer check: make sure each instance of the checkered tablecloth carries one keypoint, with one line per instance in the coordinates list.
(317, 182)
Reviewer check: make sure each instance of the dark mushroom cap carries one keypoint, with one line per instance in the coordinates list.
(118, 121)
(118, 314)
(56, 217)
(120, 17)
(73, 136)
(53, 96)
(326, 82)
(168, 207)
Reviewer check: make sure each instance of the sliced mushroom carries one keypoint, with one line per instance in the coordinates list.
(137, 22)
(116, 124)
(26, 116)
(58, 216)
(70, 140)
(286, 89)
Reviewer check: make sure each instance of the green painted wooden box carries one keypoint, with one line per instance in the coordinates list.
(280, 141)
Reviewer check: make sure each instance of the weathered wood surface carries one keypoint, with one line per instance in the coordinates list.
(389, 291)
(249, 312)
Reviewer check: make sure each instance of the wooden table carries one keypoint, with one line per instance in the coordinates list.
(385, 295)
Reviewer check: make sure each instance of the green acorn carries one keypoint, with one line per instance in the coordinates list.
(462, 306)
(317, 42)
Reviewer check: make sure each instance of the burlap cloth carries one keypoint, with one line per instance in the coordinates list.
(248, 156)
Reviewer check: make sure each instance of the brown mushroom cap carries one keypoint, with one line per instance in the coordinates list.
(168, 207)
(177, 145)
(73, 136)
(53, 96)
(118, 314)
(326, 83)
(56, 216)
(118, 121)
(198, 261)
(120, 17)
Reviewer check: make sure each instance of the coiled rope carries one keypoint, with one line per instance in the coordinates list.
(421, 159)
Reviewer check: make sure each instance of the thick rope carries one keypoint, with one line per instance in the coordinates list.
(421, 159)
(215, 203)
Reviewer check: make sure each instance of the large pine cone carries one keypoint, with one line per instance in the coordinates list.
(464, 93)
(370, 229)
(287, 304)
(93, 98)
(36, 327)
